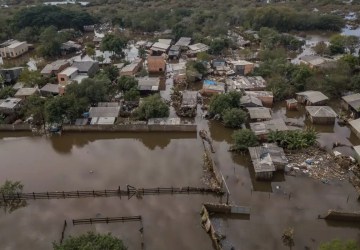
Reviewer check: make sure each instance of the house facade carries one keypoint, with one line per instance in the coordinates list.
(13, 49)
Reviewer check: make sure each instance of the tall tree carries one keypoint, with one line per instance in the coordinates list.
(114, 44)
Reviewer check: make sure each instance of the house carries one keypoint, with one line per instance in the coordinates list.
(89, 68)
(321, 114)
(351, 103)
(211, 87)
(52, 69)
(174, 52)
(156, 64)
(67, 75)
(253, 83)
(11, 75)
(197, 48)
(13, 48)
(188, 104)
(69, 47)
(178, 71)
(292, 104)
(250, 101)
(267, 159)
(50, 90)
(266, 97)
(148, 84)
(160, 47)
(355, 127)
(311, 98)
(183, 43)
(242, 67)
(105, 115)
(24, 93)
(132, 68)
(262, 129)
(357, 152)
(314, 61)
(259, 114)
(10, 105)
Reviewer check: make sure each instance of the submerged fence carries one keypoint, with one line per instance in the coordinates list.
(107, 220)
(129, 192)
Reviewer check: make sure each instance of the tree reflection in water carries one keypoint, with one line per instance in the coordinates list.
(11, 188)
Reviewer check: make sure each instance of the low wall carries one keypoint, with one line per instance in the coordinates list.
(342, 216)
(15, 127)
(131, 128)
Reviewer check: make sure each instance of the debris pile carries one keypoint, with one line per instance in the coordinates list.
(209, 176)
(319, 164)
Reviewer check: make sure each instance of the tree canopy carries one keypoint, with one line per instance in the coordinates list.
(222, 102)
(243, 139)
(91, 241)
(152, 106)
(340, 245)
(113, 43)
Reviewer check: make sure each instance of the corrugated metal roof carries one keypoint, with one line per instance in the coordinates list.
(313, 96)
(259, 113)
(263, 128)
(353, 100)
(104, 112)
(320, 111)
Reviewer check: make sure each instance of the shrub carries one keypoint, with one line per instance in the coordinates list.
(243, 139)
(234, 118)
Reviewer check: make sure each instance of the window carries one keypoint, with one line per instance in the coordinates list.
(62, 79)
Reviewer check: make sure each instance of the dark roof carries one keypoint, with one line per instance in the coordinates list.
(83, 66)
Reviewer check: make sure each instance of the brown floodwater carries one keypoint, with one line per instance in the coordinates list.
(99, 161)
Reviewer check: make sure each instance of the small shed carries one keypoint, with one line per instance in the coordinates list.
(357, 152)
(266, 97)
(351, 103)
(211, 87)
(292, 104)
(312, 98)
(148, 84)
(250, 101)
(321, 114)
(10, 105)
(24, 93)
(50, 90)
(262, 129)
(174, 52)
(104, 112)
(259, 114)
(267, 159)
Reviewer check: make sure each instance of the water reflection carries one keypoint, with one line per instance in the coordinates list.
(12, 205)
(65, 143)
(219, 133)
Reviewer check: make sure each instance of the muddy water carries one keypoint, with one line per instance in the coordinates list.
(99, 161)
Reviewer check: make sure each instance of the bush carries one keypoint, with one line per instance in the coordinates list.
(294, 139)
(234, 118)
(91, 241)
(152, 107)
(220, 103)
(339, 245)
(243, 139)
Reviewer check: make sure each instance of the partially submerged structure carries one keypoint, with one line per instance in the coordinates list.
(292, 104)
(267, 159)
(13, 48)
(188, 104)
(266, 97)
(262, 129)
(259, 114)
(248, 101)
(314, 61)
(197, 48)
(52, 69)
(11, 75)
(321, 114)
(242, 67)
(105, 115)
(253, 83)
(156, 64)
(148, 84)
(50, 90)
(312, 98)
(355, 126)
(351, 103)
(132, 68)
(10, 105)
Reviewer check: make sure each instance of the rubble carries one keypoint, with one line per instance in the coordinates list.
(317, 163)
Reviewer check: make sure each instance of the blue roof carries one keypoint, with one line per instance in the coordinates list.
(209, 82)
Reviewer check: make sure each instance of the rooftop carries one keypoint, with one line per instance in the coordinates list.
(251, 82)
(189, 98)
(259, 113)
(149, 83)
(315, 60)
(108, 104)
(250, 100)
(213, 86)
(184, 41)
(263, 128)
(313, 96)
(104, 111)
(160, 46)
(54, 66)
(355, 124)
(10, 103)
(264, 157)
(102, 120)
(165, 41)
(69, 71)
(240, 62)
(26, 92)
(320, 111)
(353, 100)
(259, 93)
(52, 88)
(84, 66)
(79, 78)
(198, 47)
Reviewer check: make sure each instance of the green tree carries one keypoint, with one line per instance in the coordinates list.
(90, 50)
(91, 241)
(337, 44)
(32, 78)
(340, 245)
(142, 53)
(321, 48)
(111, 72)
(125, 83)
(64, 108)
(152, 107)
(6, 92)
(351, 42)
(114, 44)
(35, 106)
(132, 95)
(50, 42)
(11, 188)
(218, 45)
(234, 118)
(243, 139)
(219, 103)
